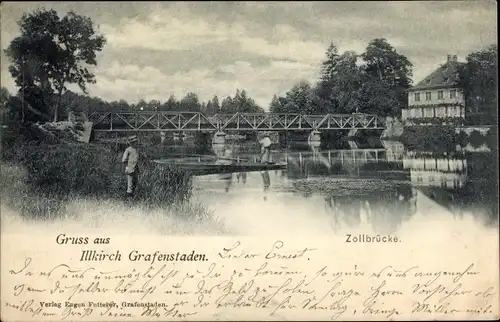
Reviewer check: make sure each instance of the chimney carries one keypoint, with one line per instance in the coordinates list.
(449, 58)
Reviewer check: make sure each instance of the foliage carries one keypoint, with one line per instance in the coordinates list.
(346, 85)
(50, 53)
(4, 98)
(64, 171)
(298, 99)
(430, 138)
(388, 75)
(479, 80)
(436, 105)
(435, 120)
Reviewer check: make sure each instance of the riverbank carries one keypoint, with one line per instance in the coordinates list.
(447, 137)
(47, 181)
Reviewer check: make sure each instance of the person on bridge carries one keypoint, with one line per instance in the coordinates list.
(265, 151)
(131, 159)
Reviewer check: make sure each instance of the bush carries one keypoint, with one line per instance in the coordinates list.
(430, 137)
(477, 139)
(65, 171)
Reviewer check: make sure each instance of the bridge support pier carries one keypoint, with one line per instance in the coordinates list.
(219, 138)
(314, 138)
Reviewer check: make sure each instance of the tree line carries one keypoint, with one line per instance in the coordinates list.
(75, 102)
(372, 82)
(53, 52)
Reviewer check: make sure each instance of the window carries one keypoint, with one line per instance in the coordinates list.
(441, 111)
(453, 93)
(417, 97)
(428, 96)
(440, 95)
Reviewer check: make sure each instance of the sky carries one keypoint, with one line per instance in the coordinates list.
(156, 49)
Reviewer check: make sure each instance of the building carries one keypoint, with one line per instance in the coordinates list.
(437, 99)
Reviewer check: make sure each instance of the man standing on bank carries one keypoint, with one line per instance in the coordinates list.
(130, 160)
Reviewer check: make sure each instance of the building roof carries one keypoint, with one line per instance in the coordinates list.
(445, 76)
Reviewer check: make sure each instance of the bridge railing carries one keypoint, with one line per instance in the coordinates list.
(197, 121)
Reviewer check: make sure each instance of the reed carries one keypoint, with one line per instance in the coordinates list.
(39, 180)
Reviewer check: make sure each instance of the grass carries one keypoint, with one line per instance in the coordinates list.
(49, 181)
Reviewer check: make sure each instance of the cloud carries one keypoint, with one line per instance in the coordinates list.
(133, 83)
(296, 50)
(165, 31)
(212, 48)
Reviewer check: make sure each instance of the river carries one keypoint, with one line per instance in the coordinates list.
(374, 189)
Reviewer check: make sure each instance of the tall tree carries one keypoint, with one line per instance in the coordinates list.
(244, 104)
(324, 98)
(190, 102)
(328, 65)
(299, 99)
(209, 109)
(479, 81)
(227, 105)
(346, 83)
(215, 104)
(388, 77)
(170, 104)
(50, 53)
(275, 106)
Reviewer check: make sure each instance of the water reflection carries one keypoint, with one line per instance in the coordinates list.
(266, 180)
(436, 169)
(379, 188)
(242, 176)
(225, 154)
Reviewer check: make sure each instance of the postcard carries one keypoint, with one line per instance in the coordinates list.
(235, 161)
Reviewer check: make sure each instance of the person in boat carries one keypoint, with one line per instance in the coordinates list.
(131, 159)
(265, 151)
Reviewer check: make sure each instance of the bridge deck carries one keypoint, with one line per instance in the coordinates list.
(195, 121)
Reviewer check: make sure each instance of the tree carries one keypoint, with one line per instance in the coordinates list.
(153, 105)
(299, 99)
(227, 105)
(479, 80)
(346, 83)
(141, 106)
(123, 106)
(208, 108)
(388, 77)
(244, 104)
(275, 106)
(215, 104)
(4, 97)
(324, 98)
(170, 104)
(51, 53)
(328, 65)
(190, 103)
(4, 102)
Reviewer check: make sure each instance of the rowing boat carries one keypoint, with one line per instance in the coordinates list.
(215, 167)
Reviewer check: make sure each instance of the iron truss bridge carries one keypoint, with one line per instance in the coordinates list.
(173, 121)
